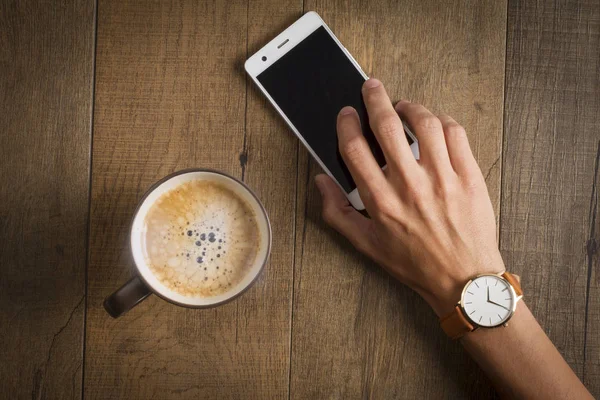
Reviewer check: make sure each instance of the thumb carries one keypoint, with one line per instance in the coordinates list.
(341, 216)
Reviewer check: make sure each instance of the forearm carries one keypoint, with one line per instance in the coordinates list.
(522, 362)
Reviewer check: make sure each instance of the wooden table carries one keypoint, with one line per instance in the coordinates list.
(100, 100)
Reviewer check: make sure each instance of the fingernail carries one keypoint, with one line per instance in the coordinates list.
(372, 83)
(346, 110)
(401, 102)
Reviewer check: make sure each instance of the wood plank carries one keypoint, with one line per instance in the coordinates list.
(171, 94)
(271, 170)
(591, 339)
(46, 59)
(357, 333)
(549, 214)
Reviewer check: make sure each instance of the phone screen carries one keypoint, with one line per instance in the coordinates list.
(311, 83)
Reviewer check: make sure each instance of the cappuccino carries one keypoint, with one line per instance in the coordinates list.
(201, 239)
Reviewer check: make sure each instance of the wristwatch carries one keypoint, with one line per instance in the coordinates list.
(487, 301)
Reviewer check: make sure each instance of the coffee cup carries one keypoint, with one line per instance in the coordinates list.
(199, 238)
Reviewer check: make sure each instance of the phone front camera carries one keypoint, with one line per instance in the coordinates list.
(264, 58)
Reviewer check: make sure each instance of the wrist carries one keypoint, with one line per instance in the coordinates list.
(445, 294)
(443, 299)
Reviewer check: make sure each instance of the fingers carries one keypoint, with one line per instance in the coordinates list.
(341, 216)
(459, 151)
(387, 127)
(428, 129)
(357, 155)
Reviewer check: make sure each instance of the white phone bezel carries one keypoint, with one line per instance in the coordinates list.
(276, 49)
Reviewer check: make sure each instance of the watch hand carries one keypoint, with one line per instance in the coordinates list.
(488, 292)
(500, 305)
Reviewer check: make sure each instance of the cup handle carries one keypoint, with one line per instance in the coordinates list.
(126, 297)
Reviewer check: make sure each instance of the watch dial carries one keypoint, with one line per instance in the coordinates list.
(488, 300)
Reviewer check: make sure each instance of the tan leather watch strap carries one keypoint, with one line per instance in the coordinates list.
(514, 282)
(455, 324)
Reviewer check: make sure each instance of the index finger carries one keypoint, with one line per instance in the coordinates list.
(357, 155)
(387, 126)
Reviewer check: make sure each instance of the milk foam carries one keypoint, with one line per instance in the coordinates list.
(201, 239)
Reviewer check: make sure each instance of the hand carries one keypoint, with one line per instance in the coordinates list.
(494, 303)
(499, 305)
(432, 223)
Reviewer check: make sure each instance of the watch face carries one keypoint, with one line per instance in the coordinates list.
(488, 300)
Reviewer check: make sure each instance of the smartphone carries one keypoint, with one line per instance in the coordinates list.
(308, 76)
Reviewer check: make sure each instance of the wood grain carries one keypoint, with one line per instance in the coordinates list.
(590, 373)
(357, 333)
(271, 170)
(550, 232)
(46, 59)
(171, 93)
